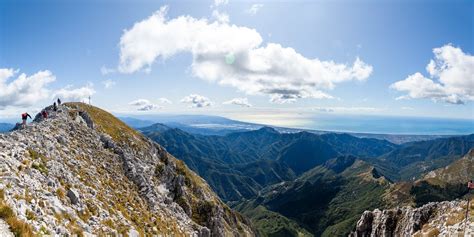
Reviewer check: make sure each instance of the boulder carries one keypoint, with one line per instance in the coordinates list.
(73, 195)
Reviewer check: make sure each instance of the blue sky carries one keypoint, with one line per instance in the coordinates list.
(394, 40)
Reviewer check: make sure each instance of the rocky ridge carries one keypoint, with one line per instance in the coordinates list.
(433, 219)
(82, 171)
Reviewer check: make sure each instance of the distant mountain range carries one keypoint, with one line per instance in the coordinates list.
(413, 159)
(4, 127)
(272, 156)
(216, 125)
(309, 184)
(197, 124)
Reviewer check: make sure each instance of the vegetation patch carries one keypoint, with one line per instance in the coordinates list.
(39, 161)
(40, 167)
(110, 125)
(17, 226)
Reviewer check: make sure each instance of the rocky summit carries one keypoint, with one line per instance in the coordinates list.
(81, 171)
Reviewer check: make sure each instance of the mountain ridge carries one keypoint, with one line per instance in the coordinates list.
(84, 171)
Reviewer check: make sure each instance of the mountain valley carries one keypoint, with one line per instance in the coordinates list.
(316, 184)
(283, 184)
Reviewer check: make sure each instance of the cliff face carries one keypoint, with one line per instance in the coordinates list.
(84, 171)
(432, 219)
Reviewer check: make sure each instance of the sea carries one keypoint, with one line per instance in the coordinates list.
(391, 125)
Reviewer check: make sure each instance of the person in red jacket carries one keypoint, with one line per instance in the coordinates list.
(24, 117)
(44, 113)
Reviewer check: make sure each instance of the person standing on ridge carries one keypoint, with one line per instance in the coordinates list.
(55, 107)
(59, 102)
(24, 117)
(470, 186)
(44, 113)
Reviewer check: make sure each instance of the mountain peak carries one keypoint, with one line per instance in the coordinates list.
(340, 163)
(267, 129)
(83, 170)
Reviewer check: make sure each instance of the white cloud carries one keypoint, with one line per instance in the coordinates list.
(24, 90)
(144, 105)
(197, 101)
(238, 101)
(407, 108)
(220, 17)
(108, 83)
(105, 70)
(451, 78)
(69, 93)
(220, 2)
(254, 8)
(163, 100)
(347, 109)
(234, 56)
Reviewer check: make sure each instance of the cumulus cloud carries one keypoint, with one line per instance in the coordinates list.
(231, 55)
(254, 8)
(197, 101)
(451, 78)
(220, 17)
(238, 101)
(163, 100)
(108, 83)
(23, 90)
(144, 105)
(69, 93)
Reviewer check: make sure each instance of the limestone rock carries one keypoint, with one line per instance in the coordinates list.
(433, 219)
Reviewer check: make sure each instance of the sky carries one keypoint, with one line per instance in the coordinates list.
(265, 61)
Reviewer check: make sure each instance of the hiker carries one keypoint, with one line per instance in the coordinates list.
(59, 102)
(470, 185)
(55, 107)
(44, 113)
(24, 117)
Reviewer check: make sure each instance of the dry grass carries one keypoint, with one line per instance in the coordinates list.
(18, 227)
(455, 218)
(109, 124)
(6, 211)
(30, 215)
(85, 215)
(61, 193)
(431, 233)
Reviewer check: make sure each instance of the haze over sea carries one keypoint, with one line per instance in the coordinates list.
(391, 124)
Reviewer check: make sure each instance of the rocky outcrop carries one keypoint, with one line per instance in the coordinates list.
(82, 170)
(432, 219)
